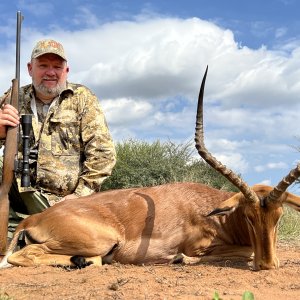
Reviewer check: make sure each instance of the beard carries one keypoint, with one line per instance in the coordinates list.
(49, 92)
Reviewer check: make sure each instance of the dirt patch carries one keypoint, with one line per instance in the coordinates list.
(230, 279)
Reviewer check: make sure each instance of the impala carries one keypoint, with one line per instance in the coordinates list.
(187, 222)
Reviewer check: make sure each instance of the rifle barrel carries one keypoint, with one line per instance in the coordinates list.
(18, 44)
(10, 149)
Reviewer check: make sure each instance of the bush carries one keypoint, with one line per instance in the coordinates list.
(147, 164)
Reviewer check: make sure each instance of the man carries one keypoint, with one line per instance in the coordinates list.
(73, 146)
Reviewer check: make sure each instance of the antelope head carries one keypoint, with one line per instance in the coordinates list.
(262, 205)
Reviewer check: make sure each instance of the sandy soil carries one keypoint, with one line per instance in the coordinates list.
(230, 279)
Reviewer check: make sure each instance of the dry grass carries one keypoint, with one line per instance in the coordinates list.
(289, 226)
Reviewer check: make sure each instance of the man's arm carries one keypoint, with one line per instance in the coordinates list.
(99, 149)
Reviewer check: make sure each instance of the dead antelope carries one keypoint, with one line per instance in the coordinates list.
(156, 224)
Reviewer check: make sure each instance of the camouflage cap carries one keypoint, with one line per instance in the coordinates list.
(48, 46)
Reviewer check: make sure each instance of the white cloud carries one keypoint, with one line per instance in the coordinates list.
(234, 161)
(226, 145)
(139, 69)
(271, 166)
(164, 57)
(280, 32)
(84, 17)
(265, 182)
(123, 111)
(260, 28)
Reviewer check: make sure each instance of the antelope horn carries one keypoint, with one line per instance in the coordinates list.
(282, 186)
(211, 160)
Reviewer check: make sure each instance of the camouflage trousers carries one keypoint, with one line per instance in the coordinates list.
(34, 202)
(22, 204)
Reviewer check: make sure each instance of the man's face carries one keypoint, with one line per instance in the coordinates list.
(49, 75)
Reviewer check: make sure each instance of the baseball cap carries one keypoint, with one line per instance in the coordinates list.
(48, 46)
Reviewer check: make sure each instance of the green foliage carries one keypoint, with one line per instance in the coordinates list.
(147, 164)
(248, 296)
(216, 296)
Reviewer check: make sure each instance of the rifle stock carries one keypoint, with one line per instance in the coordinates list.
(10, 150)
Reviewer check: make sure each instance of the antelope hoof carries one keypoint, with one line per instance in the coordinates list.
(80, 262)
(178, 259)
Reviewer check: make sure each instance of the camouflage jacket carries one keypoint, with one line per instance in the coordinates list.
(75, 149)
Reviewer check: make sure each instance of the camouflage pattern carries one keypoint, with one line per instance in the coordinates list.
(75, 149)
(48, 46)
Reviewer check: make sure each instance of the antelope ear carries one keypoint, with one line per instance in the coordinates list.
(293, 201)
(228, 206)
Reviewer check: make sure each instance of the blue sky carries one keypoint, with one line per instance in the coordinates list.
(145, 61)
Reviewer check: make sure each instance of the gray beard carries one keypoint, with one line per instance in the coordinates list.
(49, 92)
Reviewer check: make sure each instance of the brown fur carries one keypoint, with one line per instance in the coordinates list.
(153, 225)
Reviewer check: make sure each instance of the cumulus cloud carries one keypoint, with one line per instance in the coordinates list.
(271, 166)
(235, 161)
(165, 57)
(147, 73)
(125, 111)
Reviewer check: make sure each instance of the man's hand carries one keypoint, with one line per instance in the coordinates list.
(9, 116)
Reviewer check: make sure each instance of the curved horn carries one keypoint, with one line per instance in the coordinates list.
(211, 160)
(282, 186)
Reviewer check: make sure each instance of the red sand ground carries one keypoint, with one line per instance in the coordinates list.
(230, 279)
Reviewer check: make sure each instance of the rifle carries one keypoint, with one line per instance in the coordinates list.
(11, 148)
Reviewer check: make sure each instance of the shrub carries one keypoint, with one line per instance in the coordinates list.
(147, 164)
